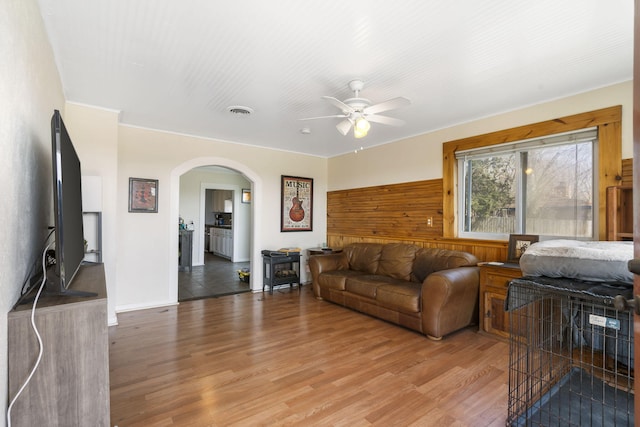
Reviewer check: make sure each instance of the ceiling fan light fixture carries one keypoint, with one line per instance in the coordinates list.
(358, 133)
(361, 127)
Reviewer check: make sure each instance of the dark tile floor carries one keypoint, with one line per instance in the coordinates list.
(217, 277)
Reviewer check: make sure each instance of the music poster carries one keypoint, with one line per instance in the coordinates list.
(297, 204)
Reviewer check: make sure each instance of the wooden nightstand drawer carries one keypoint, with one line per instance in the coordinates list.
(497, 280)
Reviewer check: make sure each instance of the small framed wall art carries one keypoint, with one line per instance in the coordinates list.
(143, 195)
(296, 213)
(246, 195)
(518, 243)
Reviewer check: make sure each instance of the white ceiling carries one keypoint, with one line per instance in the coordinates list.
(178, 65)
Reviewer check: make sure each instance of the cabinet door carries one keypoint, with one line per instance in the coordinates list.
(228, 243)
(219, 242)
(496, 320)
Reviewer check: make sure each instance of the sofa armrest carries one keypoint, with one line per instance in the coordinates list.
(449, 300)
(329, 262)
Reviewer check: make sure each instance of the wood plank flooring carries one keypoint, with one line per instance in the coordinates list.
(257, 359)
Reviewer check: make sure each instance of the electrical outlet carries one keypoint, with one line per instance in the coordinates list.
(430, 222)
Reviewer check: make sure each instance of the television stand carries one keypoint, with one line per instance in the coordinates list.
(71, 385)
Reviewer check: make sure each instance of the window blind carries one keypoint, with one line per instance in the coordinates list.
(527, 144)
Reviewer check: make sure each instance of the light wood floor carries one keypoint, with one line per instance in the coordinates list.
(287, 359)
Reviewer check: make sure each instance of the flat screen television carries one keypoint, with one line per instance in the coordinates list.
(67, 207)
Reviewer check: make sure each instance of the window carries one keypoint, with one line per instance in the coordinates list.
(543, 186)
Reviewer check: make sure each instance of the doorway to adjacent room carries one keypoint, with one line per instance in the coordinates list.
(222, 232)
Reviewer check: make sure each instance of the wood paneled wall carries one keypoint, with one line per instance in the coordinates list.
(627, 172)
(388, 211)
(398, 213)
(484, 250)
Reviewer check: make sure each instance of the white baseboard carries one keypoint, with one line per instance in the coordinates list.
(135, 307)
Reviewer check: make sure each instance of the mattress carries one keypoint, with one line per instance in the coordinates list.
(584, 260)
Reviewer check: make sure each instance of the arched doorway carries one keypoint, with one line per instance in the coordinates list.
(174, 194)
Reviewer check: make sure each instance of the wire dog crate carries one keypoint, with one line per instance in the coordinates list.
(571, 354)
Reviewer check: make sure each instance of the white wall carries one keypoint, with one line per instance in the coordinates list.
(147, 243)
(420, 158)
(94, 133)
(30, 89)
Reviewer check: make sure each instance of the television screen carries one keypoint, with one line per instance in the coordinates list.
(67, 205)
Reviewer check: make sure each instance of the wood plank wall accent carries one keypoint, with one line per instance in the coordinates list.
(484, 250)
(627, 172)
(396, 211)
(608, 121)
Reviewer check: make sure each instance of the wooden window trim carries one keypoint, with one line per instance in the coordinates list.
(608, 121)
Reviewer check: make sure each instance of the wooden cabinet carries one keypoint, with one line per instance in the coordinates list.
(223, 201)
(227, 243)
(620, 213)
(185, 250)
(494, 280)
(71, 385)
(222, 242)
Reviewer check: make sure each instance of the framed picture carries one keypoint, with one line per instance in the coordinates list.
(518, 243)
(246, 195)
(296, 200)
(143, 195)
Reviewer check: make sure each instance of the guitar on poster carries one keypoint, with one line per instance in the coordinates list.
(296, 213)
(297, 204)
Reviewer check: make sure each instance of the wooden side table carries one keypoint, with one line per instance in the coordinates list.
(318, 251)
(323, 251)
(494, 280)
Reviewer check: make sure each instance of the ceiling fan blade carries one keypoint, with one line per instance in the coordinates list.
(384, 120)
(341, 105)
(325, 117)
(387, 105)
(344, 126)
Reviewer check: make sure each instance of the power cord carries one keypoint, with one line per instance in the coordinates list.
(27, 285)
(35, 329)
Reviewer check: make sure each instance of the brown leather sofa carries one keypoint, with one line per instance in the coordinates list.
(432, 291)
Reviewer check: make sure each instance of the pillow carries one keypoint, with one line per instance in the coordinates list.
(584, 260)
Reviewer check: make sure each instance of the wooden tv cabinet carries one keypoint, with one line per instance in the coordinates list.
(71, 385)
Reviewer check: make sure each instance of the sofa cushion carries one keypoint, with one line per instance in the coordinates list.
(429, 260)
(396, 260)
(403, 297)
(366, 284)
(363, 256)
(336, 279)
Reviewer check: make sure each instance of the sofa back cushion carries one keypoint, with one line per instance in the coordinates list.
(363, 256)
(396, 260)
(429, 260)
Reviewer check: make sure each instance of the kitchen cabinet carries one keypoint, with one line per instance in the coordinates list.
(221, 242)
(185, 249)
(227, 243)
(222, 201)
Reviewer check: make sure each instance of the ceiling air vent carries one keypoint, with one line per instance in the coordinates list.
(240, 110)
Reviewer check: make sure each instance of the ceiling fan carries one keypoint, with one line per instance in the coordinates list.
(358, 112)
